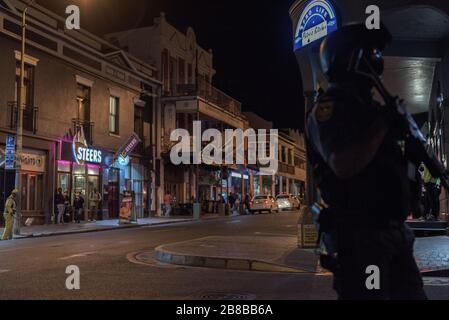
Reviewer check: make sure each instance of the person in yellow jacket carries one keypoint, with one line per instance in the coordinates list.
(10, 211)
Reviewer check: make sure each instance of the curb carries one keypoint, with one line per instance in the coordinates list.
(236, 264)
(64, 233)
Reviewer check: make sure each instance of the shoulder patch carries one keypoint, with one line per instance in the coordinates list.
(324, 110)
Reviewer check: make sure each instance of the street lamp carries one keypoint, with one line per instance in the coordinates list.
(20, 102)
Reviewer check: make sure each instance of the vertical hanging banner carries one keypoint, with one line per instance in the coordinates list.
(10, 151)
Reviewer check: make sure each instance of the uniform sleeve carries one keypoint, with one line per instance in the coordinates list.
(331, 125)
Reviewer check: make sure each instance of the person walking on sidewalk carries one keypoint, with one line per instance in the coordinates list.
(432, 196)
(60, 205)
(10, 211)
(78, 206)
(94, 202)
(167, 203)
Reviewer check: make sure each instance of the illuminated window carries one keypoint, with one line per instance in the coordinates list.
(114, 105)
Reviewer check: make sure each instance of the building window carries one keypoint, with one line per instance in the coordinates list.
(165, 70)
(114, 105)
(29, 113)
(138, 123)
(190, 73)
(283, 155)
(182, 71)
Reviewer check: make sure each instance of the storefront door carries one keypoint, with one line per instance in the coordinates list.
(32, 193)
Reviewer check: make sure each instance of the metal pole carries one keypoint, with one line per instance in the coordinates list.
(20, 102)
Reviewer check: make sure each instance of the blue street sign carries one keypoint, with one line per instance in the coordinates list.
(317, 20)
(10, 151)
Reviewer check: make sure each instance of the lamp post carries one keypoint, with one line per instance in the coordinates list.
(20, 103)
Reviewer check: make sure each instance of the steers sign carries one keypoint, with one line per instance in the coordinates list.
(128, 147)
(81, 151)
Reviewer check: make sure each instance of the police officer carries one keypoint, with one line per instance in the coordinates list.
(10, 211)
(361, 171)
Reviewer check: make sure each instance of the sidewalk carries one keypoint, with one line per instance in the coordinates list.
(85, 227)
(255, 253)
(277, 254)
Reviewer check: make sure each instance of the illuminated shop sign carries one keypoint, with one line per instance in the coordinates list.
(87, 155)
(317, 21)
(82, 153)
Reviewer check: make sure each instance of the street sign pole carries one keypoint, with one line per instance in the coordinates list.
(20, 102)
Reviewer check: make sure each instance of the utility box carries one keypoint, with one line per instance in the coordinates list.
(307, 231)
(196, 211)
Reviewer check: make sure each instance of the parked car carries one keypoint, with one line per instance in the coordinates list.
(265, 203)
(288, 202)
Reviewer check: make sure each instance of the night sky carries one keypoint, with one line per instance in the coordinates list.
(251, 40)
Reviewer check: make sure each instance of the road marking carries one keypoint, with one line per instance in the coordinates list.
(4, 271)
(234, 221)
(79, 255)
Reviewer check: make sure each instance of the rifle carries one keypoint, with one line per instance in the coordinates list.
(421, 150)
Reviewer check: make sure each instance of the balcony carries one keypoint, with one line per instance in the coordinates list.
(87, 126)
(209, 93)
(285, 168)
(29, 117)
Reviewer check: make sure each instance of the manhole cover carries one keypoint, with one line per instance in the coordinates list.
(436, 282)
(225, 296)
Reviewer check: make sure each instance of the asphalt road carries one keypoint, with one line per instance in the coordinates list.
(35, 268)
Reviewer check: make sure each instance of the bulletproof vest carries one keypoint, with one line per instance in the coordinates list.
(381, 191)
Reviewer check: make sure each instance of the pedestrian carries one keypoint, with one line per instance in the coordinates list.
(432, 196)
(232, 200)
(361, 171)
(78, 206)
(60, 205)
(167, 204)
(67, 207)
(247, 203)
(94, 202)
(9, 213)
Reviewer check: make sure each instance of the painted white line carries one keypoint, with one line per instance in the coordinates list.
(234, 221)
(79, 255)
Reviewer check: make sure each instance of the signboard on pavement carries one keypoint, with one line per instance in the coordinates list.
(10, 151)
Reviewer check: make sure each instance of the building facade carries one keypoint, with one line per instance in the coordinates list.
(186, 73)
(84, 98)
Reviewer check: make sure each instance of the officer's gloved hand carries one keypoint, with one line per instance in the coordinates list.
(396, 116)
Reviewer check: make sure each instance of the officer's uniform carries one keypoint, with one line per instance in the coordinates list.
(371, 207)
(10, 208)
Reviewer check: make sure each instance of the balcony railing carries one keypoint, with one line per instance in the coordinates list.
(209, 93)
(29, 117)
(285, 168)
(88, 128)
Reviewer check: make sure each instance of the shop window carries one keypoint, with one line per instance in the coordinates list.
(114, 105)
(93, 170)
(79, 169)
(63, 166)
